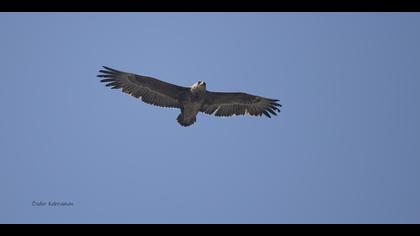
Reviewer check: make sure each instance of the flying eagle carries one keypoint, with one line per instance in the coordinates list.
(190, 100)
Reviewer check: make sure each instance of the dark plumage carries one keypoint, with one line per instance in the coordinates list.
(190, 100)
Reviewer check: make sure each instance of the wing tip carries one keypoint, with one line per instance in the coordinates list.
(109, 70)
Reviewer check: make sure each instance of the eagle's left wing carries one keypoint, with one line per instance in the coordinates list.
(228, 104)
(150, 90)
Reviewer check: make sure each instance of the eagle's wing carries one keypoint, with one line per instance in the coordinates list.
(228, 104)
(148, 89)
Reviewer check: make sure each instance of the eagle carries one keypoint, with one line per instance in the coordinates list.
(190, 100)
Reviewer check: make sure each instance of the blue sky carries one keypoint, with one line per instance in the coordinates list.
(344, 149)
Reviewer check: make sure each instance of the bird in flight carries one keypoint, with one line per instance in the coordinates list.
(190, 100)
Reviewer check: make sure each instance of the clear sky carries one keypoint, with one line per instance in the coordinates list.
(344, 149)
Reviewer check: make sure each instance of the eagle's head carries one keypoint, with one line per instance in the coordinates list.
(198, 87)
(200, 84)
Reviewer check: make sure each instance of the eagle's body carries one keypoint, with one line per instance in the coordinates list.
(189, 100)
(192, 104)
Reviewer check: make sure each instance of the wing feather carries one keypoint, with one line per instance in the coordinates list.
(228, 104)
(150, 90)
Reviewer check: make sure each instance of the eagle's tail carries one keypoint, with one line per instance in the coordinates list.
(185, 122)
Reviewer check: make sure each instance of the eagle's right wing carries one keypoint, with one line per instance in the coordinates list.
(228, 104)
(148, 89)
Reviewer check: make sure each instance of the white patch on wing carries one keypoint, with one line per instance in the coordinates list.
(216, 110)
